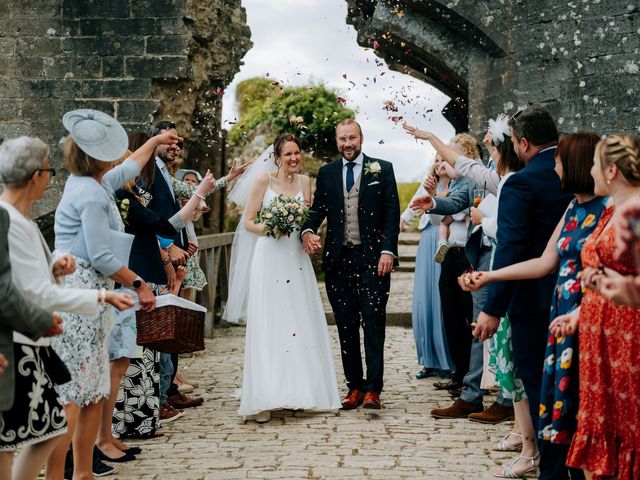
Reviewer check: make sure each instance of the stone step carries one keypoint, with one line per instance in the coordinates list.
(406, 267)
(408, 241)
(406, 258)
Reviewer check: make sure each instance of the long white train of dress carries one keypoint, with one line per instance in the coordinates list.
(288, 362)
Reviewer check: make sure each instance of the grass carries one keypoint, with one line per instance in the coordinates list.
(405, 192)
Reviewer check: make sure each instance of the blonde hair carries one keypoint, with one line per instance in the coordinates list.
(623, 150)
(468, 145)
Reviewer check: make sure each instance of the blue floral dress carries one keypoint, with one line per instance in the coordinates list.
(559, 394)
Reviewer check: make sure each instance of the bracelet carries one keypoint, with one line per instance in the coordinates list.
(166, 261)
(199, 196)
(102, 295)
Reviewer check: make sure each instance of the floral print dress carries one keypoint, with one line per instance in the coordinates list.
(607, 441)
(559, 394)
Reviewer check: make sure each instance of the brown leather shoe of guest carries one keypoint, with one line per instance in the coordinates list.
(496, 413)
(353, 399)
(372, 400)
(181, 401)
(459, 409)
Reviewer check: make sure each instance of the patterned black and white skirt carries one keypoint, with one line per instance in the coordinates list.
(36, 414)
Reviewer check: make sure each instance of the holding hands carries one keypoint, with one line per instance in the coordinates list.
(564, 325)
(311, 243)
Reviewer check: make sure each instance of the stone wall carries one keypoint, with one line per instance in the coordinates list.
(578, 58)
(138, 60)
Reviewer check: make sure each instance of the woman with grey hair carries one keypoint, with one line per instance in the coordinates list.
(89, 225)
(36, 419)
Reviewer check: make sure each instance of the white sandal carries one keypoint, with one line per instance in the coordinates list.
(507, 472)
(504, 445)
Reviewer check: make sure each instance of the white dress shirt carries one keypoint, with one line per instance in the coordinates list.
(357, 169)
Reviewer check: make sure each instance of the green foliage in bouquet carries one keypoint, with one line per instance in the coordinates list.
(283, 216)
(311, 113)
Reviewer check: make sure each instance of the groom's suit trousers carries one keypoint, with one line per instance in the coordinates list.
(358, 297)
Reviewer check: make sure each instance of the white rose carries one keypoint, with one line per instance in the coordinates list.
(375, 167)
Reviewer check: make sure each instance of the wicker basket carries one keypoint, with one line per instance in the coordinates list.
(173, 327)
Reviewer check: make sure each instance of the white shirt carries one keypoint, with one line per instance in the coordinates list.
(165, 174)
(357, 169)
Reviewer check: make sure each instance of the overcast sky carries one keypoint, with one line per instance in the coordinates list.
(298, 42)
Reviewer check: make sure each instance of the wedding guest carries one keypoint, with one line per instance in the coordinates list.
(559, 399)
(165, 202)
(145, 259)
(35, 426)
(605, 444)
(478, 254)
(428, 329)
(88, 225)
(531, 204)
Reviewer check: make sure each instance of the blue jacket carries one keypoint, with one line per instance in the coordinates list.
(531, 205)
(165, 204)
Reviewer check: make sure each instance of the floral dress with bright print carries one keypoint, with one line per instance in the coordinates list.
(607, 441)
(559, 394)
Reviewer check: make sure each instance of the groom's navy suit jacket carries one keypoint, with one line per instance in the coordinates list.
(164, 203)
(531, 205)
(378, 211)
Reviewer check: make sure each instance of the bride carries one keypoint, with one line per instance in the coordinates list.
(288, 362)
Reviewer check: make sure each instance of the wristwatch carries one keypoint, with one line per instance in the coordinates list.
(137, 283)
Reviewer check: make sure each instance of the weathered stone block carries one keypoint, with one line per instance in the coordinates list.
(168, 45)
(158, 67)
(38, 46)
(106, 45)
(7, 46)
(136, 110)
(96, 8)
(171, 26)
(137, 88)
(72, 67)
(112, 67)
(106, 106)
(121, 26)
(157, 8)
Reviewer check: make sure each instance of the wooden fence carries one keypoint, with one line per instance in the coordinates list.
(215, 252)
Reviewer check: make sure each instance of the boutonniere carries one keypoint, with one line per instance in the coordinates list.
(372, 168)
(123, 208)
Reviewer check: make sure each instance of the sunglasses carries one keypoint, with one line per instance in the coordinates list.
(517, 114)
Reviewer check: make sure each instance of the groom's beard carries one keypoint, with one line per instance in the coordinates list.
(351, 154)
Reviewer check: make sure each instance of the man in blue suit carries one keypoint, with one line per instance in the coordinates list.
(531, 205)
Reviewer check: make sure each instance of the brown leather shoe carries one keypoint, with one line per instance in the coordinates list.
(496, 413)
(372, 400)
(180, 401)
(459, 409)
(353, 399)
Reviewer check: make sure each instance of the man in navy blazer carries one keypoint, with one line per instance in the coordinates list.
(531, 205)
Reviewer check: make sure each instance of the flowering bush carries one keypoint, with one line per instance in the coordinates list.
(283, 216)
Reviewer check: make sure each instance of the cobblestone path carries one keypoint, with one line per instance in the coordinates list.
(403, 442)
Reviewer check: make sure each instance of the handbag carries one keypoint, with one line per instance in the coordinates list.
(55, 367)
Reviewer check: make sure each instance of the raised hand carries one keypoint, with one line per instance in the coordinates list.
(237, 170)
(167, 138)
(430, 184)
(424, 202)
(56, 327)
(416, 133)
(207, 185)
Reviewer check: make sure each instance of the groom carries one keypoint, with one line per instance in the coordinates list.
(359, 197)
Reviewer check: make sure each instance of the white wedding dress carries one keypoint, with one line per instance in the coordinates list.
(288, 362)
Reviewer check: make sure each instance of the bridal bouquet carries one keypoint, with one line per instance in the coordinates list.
(283, 216)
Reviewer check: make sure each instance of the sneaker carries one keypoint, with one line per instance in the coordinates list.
(100, 469)
(169, 414)
(441, 251)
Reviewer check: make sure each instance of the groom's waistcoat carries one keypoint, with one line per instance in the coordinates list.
(351, 204)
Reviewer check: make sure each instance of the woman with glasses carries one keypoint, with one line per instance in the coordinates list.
(36, 420)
